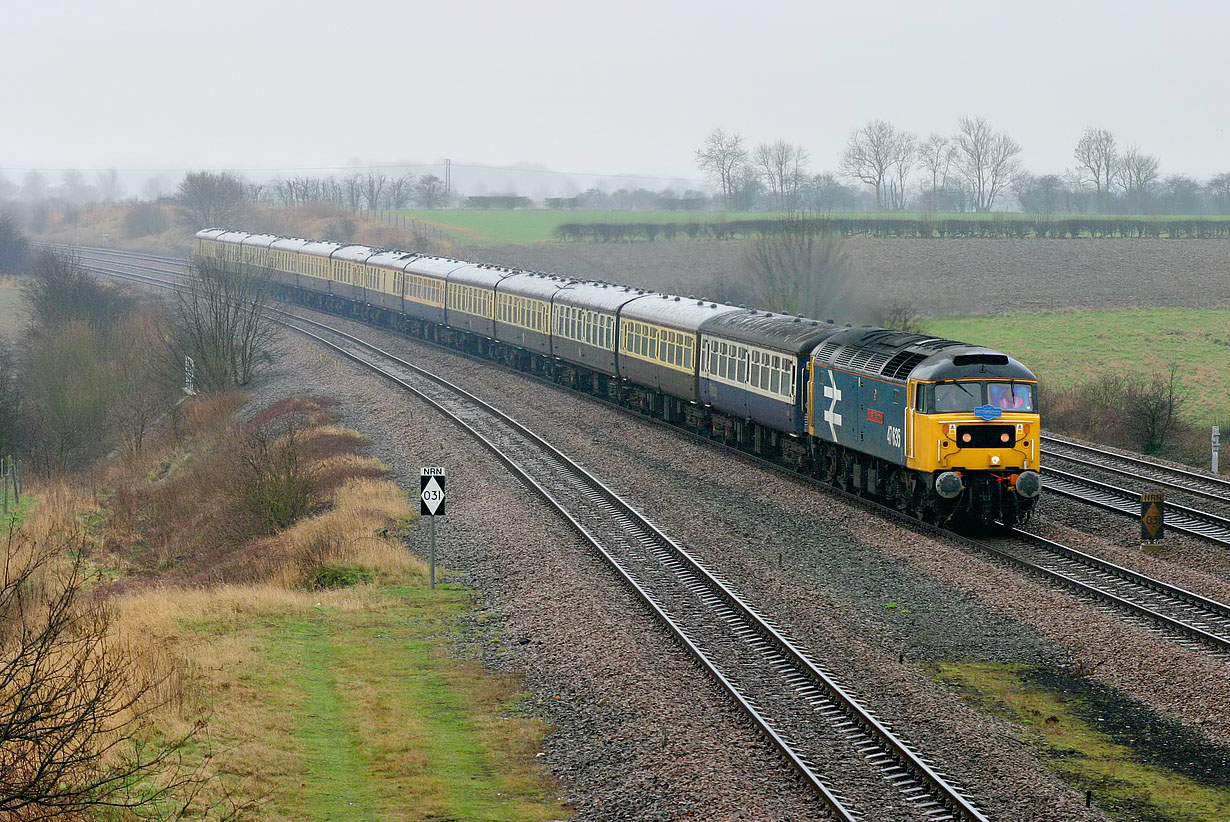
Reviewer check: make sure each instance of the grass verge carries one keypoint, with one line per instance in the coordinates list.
(1068, 347)
(1137, 765)
(314, 662)
(348, 704)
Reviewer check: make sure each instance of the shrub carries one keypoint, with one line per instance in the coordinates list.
(338, 575)
(144, 219)
(275, 483)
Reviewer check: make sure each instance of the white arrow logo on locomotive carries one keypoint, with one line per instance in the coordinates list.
(834, 394)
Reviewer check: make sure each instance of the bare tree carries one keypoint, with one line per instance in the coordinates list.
(936, 154)
(1097, 158)
(880, 156)
(1218, 190)
(110, 189)
(207, 199)
(219, 319)
(399, 191)
(783, 167)
(14, 246)
(353, 188)
(373, 189)
(827, 193)
(799, 269)
(1137, 175)
(10, 400)
(1047, 194)
(67, 400)
(76, 706)
(986, 159)
(429, 191)
(1153, 409)
(34, 186)
(721, 158)
(60, 291)
(137, 368)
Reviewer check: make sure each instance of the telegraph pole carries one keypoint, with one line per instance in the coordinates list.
(448, 181)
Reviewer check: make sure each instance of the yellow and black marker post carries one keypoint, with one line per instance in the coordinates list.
(1152, 520)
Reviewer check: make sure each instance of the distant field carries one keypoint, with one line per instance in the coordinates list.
(1066, 347)
(536, 225)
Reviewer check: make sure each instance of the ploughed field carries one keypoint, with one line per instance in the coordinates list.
(939, 277)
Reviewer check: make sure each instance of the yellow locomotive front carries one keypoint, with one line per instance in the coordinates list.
(976, 438)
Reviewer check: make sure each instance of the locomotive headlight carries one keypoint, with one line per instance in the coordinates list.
(949, 485)
(1029, 484)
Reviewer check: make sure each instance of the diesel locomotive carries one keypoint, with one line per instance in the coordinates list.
(943, 430)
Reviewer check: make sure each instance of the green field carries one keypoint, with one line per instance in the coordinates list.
(481, 227)
(536, 225)
(1072, 346)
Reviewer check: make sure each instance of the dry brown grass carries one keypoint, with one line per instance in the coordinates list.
(225, 624)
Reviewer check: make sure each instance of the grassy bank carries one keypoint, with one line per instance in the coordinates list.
(1137, 765)
(1067, 347)
(312, 662)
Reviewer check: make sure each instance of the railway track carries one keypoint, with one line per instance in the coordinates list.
(1189, 618)
(814, 721)
(1204, 524)
(1195, 483)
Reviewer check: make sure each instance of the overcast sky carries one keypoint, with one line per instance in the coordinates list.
(625, 86)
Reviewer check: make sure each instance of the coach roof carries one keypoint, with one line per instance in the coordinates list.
(598, 296)
(532, 284)
(354, 253)
(677, 312)
(434, 266)
(264, 240)
(392, 259)
(768, 330)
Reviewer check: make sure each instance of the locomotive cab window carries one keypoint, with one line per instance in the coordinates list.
(966, 395)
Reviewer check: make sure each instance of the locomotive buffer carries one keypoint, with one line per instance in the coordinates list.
(431, 504)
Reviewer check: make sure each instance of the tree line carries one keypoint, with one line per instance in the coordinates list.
(96, 367)
(886, 168)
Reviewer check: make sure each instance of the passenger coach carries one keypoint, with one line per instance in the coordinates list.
(935, 427)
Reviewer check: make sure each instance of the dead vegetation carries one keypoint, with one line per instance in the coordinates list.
(1144, 414)
(97, 710)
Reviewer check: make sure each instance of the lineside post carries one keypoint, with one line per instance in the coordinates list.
(431, 504)
(1152, 521)
(1216, 446)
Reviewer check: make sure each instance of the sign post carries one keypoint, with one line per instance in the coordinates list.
(431, 504)
(1152, 520)
(189, 376)
(1216, 446)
